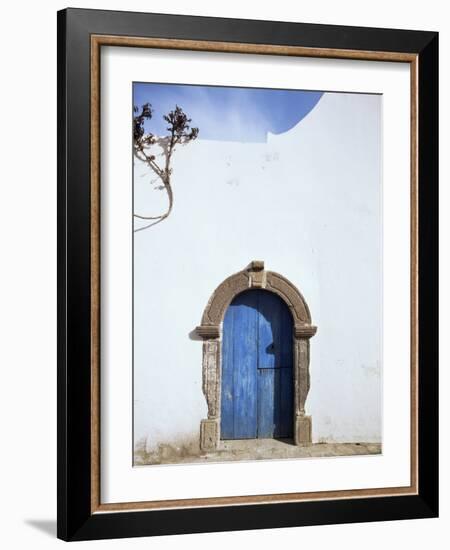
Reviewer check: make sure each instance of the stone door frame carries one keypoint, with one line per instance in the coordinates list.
(254, 276)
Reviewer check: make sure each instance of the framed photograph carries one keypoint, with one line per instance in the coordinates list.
(247, 255)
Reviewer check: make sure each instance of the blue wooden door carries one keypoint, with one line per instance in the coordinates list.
(257, 377)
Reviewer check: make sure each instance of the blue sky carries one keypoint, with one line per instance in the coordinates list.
(227, 114)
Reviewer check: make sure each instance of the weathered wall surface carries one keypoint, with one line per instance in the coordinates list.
(307, 202)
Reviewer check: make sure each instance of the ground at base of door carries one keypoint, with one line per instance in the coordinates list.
(252, 449)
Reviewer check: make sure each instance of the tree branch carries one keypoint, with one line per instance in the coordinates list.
(180, 132)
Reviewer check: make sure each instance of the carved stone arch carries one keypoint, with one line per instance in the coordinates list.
(254, 276)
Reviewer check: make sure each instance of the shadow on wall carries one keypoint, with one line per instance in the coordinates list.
(194, 336)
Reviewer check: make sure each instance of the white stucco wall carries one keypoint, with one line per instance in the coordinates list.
(307, 203)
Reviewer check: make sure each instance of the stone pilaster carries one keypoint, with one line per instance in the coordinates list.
(302, 422)
(210, 427)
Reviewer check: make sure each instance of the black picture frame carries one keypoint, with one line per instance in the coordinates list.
(76, 520)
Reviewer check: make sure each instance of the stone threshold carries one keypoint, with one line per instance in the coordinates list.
(255, 449)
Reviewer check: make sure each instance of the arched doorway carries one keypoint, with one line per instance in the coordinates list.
(257, 359)
(254, 278)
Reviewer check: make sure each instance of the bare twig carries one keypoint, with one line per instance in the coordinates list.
(180, 133)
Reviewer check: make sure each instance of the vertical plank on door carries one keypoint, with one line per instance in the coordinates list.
(245, 365)
(269, 337)
(275, 359)
(285, 428)
(227, 414)
(239, 369)
(268, 411)
(286, 337)
(286, 406)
